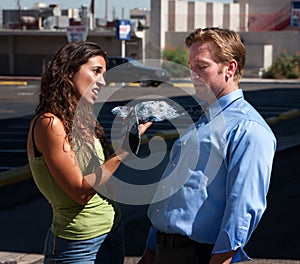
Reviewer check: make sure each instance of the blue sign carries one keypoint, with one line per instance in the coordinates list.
(295, 14)
(123, 29)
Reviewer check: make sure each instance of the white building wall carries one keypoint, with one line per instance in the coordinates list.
(244, 17)
(269, 44)
(259, 56)
(217, 14)
(205, 14)
(234, 17)
(181, 16)
(200, 14)
(265, 15)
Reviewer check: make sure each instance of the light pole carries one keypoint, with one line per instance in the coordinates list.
(92, 16)
(106, 9)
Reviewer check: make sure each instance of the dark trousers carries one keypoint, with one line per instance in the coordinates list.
(173, 248)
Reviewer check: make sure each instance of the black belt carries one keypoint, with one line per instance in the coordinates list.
(178, 241)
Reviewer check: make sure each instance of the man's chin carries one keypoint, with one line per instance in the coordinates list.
(199, 95)
(205, 98)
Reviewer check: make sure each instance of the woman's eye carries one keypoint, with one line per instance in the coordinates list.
(98, 70)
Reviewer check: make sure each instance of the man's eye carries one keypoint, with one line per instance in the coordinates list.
(202, 67)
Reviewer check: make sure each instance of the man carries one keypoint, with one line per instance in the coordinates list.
(220, 167)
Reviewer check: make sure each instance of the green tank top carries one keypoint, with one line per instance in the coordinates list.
(70, 219)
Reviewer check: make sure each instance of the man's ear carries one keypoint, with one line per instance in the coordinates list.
(231, 69)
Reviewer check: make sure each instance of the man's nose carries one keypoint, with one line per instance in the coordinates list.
(194, 75)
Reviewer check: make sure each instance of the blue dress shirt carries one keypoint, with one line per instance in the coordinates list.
(217, 178)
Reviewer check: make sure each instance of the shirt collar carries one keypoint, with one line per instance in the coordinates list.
(218, 106)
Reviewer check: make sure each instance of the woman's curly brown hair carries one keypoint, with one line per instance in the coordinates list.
(58, 96)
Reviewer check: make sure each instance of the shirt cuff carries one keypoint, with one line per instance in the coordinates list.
(239, 256)
(223, 245)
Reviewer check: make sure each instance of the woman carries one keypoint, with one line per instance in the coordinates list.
(67, 152)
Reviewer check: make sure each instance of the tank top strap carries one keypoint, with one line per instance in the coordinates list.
(37, 153)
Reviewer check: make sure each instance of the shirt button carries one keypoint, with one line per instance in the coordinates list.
(198, 125)
(173, 164)
(157, 210)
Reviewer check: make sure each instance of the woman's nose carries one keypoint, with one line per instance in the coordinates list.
(100, 80)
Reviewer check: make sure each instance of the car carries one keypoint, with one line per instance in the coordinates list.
(126, 69)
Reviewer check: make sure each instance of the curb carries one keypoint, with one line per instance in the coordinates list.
(243, 80)
(24, 83)
(262, 80)
(20, 78)
(289, 114)
(15, 175)
(283, 116)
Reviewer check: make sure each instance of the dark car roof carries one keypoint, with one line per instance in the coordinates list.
(126, 69)
(114, 61)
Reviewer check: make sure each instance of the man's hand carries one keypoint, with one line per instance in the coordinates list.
(222, 258)
(148, 257)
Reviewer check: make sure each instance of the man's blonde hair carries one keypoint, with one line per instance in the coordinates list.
(227, 46)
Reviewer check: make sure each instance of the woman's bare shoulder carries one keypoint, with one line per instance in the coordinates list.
(48, 124)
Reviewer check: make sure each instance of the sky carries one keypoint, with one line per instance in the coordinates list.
(120, 7)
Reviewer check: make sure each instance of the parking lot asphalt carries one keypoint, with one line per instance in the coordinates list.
(23, 224)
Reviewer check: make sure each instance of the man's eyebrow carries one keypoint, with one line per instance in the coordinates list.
(199, 61)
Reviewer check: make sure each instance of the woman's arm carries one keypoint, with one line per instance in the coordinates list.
(50, 139)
